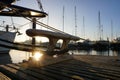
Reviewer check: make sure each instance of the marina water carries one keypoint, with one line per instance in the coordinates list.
(19, 56)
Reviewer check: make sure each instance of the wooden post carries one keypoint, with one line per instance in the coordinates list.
(7, 28)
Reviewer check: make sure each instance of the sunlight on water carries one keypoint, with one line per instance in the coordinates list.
(37, 55)
(19, 56)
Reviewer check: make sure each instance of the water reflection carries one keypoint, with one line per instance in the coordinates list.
(19, 56)
(93, 52)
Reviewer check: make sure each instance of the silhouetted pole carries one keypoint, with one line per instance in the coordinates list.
(84, 27)
(7, 28)
(99, 22)
(63, 18)
(111, 30)
(33, 27)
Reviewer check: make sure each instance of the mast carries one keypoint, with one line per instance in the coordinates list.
(75, 22)
(100, 31)
(33, 27)
(63, 18)
(111, 30)
(84, 27)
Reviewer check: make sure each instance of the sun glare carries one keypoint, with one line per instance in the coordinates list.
(37, 55)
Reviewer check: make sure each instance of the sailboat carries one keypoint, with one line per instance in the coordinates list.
(101, 44)
(8, 9)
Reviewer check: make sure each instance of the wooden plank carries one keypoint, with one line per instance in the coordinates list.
(4, 77)
(62, 73)
(10, 74)
(47, 73)
(14, 72)
(73, 72)
(106, 62)
(77, 64)
(55, 73)
(30, 73)
(97, 74)
(65, 70)
(99, 70)
(50, 74)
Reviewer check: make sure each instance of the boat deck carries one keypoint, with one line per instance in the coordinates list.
(78, 68)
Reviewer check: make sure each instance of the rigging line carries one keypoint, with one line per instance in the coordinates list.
(21, 26)
(12, 22)
(42, 24)
(2, 23)
(40, 5)
(18, 27)
(47, 26)
(24, 24)
(51, 28)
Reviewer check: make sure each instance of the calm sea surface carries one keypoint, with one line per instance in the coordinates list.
(18, 56)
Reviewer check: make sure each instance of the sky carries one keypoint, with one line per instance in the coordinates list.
(109, 10)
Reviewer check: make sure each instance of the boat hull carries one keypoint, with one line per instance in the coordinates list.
(9, 36)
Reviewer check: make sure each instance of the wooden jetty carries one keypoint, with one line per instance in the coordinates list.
(77, 68)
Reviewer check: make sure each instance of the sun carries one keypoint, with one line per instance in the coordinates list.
(37, 56)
